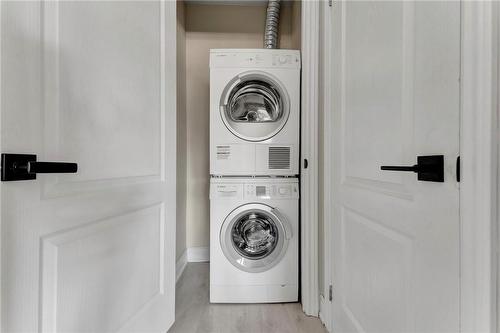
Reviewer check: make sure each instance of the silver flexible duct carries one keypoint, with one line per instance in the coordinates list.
(272, 24)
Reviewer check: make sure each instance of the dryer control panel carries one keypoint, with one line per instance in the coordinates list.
(248, 58)
(255, 191)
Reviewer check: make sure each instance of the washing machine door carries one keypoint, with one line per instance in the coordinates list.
(255, 106)
(254, 237)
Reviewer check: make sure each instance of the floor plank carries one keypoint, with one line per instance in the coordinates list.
(194, 313)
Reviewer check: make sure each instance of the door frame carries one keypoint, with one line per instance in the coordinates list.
(309, 262)
(479, 165)
(1, 99)
(325, 310)
(479, 150)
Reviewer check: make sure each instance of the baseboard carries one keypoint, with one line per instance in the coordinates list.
(198, 254)
(180, 265)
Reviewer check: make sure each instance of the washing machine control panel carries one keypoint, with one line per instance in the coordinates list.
(271, 191)
(234, 191)
(255, 191)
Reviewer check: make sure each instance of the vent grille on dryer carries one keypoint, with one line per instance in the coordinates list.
(279, 158)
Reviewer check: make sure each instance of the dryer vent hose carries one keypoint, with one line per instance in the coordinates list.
(272, 24)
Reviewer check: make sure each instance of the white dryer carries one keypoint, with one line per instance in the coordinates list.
(254, 111)
(254, 240)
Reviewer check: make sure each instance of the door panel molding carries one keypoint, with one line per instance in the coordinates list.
(381, 182)
(53, 82)
(386, 188)
(399, 255)
(52, 268)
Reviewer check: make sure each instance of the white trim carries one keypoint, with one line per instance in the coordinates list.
(496, 92)
(1, 148)
(309, 147)
(169, 144)
(325, 310)
(180, 265)
(198, 254)
(478, 176)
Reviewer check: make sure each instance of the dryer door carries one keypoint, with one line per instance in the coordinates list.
(255, 106)
(254, 237)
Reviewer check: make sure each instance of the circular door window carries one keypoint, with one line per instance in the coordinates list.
(254, 237)
(254, 106)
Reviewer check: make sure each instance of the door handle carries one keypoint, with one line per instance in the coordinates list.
(428, 168)
(25, 167)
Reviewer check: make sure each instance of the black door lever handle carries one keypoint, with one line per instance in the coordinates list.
(413, 168)
(25, 167)
(428, 168)
(46, 167)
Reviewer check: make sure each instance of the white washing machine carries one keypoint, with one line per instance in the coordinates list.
(254, 247)
(254, 111)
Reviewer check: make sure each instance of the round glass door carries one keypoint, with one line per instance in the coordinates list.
(254, 235)
(254, 238)
(254, 106)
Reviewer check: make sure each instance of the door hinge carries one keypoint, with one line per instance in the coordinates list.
(330, 3)
(330, 293)
(458, 169)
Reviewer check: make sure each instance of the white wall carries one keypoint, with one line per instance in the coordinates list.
(216, 26)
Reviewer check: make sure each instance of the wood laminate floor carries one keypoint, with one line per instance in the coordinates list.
(195, 314)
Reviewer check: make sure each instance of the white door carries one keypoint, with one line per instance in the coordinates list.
(395, 96)
(92, 83)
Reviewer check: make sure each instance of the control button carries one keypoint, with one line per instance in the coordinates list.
(283, 59)
(284, 191)
(249, 190)
(276, 60)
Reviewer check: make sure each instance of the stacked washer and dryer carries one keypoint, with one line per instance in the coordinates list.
(254, 167)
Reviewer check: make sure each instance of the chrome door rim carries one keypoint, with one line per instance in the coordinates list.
(267, 129)
(259, 264)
